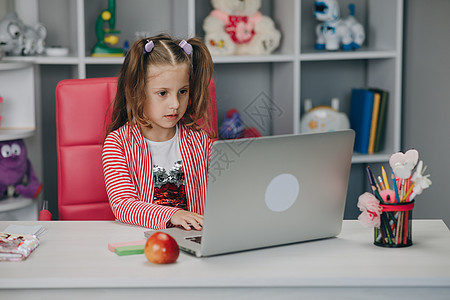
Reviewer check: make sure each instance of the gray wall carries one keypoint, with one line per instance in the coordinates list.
(426, 104)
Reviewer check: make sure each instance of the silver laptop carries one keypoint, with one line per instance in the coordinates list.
(271, 191)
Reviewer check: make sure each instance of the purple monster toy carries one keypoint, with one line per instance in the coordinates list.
(16, 173)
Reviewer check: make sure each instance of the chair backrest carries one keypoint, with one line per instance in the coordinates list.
(83, 114)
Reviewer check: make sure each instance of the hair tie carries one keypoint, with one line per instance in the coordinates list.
(149, 46)
(186, 47)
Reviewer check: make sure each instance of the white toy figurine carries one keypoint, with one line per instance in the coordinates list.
(238, 27)
(323, 118)
(334, 31)
(16, 38)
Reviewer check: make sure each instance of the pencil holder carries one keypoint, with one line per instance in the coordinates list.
(395, 225)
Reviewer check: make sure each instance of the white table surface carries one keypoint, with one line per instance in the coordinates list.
(73, 260)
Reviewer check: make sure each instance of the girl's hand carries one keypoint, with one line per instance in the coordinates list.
(186, 219)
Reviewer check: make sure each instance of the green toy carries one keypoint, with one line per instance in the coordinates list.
(107, 36)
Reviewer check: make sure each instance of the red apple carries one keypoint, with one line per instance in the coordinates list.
(161, 248)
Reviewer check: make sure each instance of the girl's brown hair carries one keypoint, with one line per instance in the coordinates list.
(132, 79)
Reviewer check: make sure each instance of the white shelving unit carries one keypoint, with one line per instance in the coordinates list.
(18, 122)
(294, 72)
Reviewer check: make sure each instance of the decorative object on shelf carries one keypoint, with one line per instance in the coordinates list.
(238, 27)
(16, 38)
(56, 51)
(16, 172)
(335, 32)
(233, 128)
(323, 118)
(107, 36)
(388, 209)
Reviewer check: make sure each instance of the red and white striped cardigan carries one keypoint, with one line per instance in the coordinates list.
(127, 167)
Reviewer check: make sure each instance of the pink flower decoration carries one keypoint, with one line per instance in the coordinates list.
(371, 210)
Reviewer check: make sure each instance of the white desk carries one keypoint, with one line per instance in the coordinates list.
(73, 260)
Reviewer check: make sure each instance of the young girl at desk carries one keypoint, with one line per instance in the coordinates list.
(155, 156)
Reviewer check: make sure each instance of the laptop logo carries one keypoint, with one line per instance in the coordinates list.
(282, 192)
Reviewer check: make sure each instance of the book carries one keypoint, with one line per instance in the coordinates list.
(361, 108)
(129, 250)
(373, 125)
(381, 125)
(112, 246)
(17, 247)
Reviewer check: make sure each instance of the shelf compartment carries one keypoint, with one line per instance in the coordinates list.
(18, 92)
(381, 20)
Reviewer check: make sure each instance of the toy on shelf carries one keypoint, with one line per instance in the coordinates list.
(16, 172)
(323, 118)
(233, 128)
(238, 27)
(16, 38)
(335, 32)
(107, 36)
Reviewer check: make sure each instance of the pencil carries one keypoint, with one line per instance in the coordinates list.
(408, 192)
(373, 185)
(386, 182)
(380, 181)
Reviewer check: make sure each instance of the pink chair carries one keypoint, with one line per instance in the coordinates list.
(83, 114)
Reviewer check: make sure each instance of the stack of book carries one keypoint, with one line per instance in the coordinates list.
(368, 117)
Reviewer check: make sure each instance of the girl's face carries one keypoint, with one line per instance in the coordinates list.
(167, 99)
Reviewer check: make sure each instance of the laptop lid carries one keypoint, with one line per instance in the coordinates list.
(273, 190)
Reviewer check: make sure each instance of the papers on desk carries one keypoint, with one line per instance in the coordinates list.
(36, 230)
(18, 241)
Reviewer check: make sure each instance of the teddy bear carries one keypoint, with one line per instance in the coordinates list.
(237, 27)
(16, 38)
(16, 172)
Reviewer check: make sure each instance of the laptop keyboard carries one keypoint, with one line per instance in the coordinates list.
(196, 239)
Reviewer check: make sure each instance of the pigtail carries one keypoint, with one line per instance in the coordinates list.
(130, 82)
(202, 71)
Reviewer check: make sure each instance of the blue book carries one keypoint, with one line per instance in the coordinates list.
(361, 108)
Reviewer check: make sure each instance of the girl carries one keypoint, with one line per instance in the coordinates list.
(155, 155)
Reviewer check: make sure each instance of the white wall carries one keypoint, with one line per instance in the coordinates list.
(426, 105)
